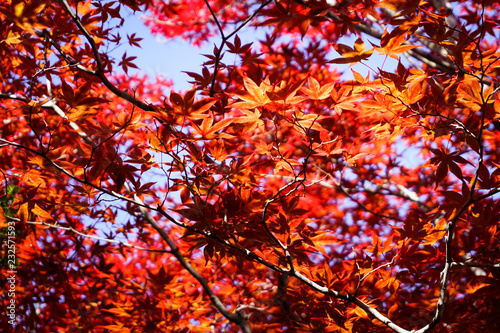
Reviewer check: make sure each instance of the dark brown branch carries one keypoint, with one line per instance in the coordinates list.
(97, 238)
(236, 318)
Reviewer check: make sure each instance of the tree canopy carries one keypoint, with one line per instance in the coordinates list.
(286, 191)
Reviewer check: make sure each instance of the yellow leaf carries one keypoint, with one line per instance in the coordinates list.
(23, 212)
(3, 220)
(25, 15)
(434, 234)
(392, 310)
(360, 312)
(12, 38)
(37, 159)
(41, 213)
(119, 312)
(155, 143)
(18, 9)
(471, 289)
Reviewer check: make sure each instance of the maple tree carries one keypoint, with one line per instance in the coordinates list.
(276, 194)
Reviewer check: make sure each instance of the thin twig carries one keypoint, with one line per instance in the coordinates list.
(73, 230)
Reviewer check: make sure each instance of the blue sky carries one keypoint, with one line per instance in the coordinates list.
(161, 57)
(170, 58)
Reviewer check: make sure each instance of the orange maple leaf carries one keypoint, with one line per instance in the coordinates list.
(256, 96)
(393, 44)
(208, 129)
(315, 91)
(350, 55)
(251, 120)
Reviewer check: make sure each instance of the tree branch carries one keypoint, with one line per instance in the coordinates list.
(236, 318)
(73, 230)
